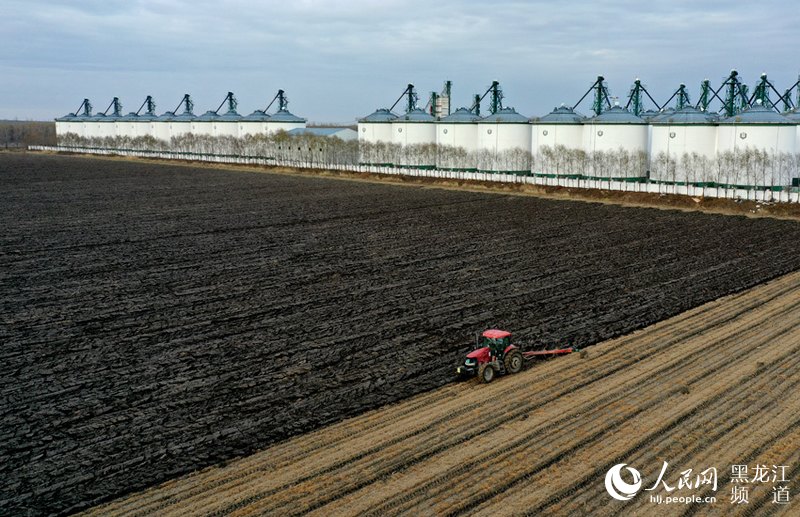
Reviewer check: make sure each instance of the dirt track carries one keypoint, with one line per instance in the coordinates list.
(157, 319)
(712, 387)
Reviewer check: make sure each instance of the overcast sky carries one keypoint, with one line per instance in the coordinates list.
(338, 60)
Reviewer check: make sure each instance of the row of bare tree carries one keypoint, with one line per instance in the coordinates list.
(20, 134)
(747, 167)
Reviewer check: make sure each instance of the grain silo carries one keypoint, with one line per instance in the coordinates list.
(376, 127)
(73, 122)
(412, 131)
(616, 144)
(101, 126)
(128, 125)
(283, 120)
(794, 116)
(228, 123)
(562, 126)
(182, 124)
(204, 124)
(457, 139)
(253, 124)
(504, 142)
(683, 145)
(145, 123)
(460, 129)
(758, 129)
(161, 129)
(105, 124)
(557, 142)
(687, 130)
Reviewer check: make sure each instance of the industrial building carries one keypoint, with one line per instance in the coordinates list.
(680, 143)
(176, 123)
(631, 139)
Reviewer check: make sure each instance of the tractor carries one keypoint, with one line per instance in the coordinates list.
(494, 354)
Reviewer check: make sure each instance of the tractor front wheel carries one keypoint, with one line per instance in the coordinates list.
(486, 372)
(513, 361)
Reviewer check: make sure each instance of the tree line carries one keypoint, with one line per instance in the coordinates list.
(20, 134)
(742, 167)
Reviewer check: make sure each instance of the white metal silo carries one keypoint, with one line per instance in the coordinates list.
(457, 140)
(504, 142)
(66, 125)
(794, 116)
(146, 125)
(228, 124)
(161, 126)
(204, 124)
(762, 130)
(557, 142)
(412, 131)
(104, 126)
(560, 127)
(180, 125)
(460, 129)
(376, 127)
(128, 125)
(254, 124)
(683, 145)
(616, 144)
(283, 120)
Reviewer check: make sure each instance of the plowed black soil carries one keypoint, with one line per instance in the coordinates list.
(155, 319)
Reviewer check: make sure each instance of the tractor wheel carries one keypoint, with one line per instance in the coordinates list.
(513, 361)
(486, 373)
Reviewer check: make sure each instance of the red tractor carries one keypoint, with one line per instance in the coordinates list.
(495, 355)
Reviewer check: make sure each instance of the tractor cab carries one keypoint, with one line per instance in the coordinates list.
(496, 340)
(493, 353)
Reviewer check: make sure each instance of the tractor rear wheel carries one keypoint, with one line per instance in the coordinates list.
(486, 373)
(513, 361)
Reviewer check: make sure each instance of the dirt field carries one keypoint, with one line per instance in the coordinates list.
(713, 387)
(157, 319)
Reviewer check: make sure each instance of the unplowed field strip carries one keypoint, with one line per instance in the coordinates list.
(711, 387)
(157, 319)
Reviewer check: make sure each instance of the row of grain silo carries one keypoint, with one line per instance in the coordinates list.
(615, 143)
(178, 122)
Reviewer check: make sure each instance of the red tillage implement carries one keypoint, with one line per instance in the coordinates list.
(494, 354)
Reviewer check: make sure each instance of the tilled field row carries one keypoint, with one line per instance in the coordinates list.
(714, 386)
(156, 319)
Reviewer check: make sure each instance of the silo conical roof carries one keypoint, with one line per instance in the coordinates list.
(686, 115)
(793, 115)
(379, 115)
(505, 116)
(186, 116)
(230, 115)
(285, 116)
(130, 117)
(650, 114)
(257, 116)
(461, 116)
(167, 115)
(561, 115)
(415, 115)
(208, 116)
(69, 117)
(757, 114)
(617, 115)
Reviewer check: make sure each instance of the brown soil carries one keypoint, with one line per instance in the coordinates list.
(632, 199)
(711, 387)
